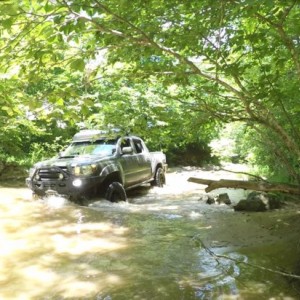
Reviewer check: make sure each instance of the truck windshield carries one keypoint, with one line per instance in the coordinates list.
(99, 147)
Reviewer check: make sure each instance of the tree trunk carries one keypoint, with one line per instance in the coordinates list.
(247, 185)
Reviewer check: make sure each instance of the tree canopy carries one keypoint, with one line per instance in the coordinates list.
(172, 71)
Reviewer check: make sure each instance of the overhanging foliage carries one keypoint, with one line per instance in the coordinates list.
(170, 70)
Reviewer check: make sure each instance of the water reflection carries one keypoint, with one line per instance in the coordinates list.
(49, 253)
(222, 273)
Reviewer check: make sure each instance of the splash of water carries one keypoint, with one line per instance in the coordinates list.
(54, 201)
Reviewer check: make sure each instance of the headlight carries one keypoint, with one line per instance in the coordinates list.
(84, 170)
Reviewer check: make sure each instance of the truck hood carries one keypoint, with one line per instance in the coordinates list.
(70, 161)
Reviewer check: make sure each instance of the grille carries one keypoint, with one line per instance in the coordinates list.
(53, 173)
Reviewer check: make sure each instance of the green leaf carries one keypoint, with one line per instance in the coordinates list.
(60, 102)
(48, 7)
(8, 110)
(7, 23)
(77, 64)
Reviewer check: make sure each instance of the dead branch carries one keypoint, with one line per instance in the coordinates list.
(217, 256)
(247, 185)
(245, 173)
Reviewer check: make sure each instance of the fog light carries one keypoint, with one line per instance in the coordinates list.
(61, 176)
(77, 182)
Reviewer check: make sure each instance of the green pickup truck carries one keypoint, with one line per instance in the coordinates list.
(98, 163)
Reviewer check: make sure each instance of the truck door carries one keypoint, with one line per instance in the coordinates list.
(144, 160)
(129, 163)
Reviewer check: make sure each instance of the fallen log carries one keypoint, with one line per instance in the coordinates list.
(261, 186)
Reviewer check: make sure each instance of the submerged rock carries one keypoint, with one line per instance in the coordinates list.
(223, 198)
(207, 199)
(257, 201)
(250, 205)
(274, 202)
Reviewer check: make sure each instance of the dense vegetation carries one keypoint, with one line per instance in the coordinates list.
(175, 72)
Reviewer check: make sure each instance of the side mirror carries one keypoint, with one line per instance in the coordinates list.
(127, 150)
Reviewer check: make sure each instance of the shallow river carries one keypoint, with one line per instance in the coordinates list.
(160, 245)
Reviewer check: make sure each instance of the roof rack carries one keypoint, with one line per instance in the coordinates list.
(94, 134)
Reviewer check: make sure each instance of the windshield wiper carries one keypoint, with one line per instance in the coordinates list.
(67, 156)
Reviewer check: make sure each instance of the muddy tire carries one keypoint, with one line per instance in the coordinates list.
(116, 192)
(159, 178)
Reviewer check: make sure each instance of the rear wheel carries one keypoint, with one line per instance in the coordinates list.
(116, 192)
(159, 177)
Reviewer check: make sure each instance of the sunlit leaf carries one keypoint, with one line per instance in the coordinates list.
(77, 64)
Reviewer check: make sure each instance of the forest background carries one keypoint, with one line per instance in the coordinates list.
(202, 80)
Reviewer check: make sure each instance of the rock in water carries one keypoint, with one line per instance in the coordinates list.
(223, 198)
(250, 205)
(257, 201)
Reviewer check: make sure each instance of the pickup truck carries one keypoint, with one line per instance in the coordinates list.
(98, 162)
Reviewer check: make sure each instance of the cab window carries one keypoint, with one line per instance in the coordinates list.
(138, 146)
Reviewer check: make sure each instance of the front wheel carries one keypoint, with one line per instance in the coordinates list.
(35, 196)
(116, 192)
(159, 177)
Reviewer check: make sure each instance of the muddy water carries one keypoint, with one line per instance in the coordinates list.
(157, 246)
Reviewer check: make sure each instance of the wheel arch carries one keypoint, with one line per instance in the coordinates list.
(112, 172)
(113, 177)
(158, 165)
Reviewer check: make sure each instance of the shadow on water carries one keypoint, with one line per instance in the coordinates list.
(144, 249)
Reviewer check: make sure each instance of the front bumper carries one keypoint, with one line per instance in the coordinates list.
(63, 183)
